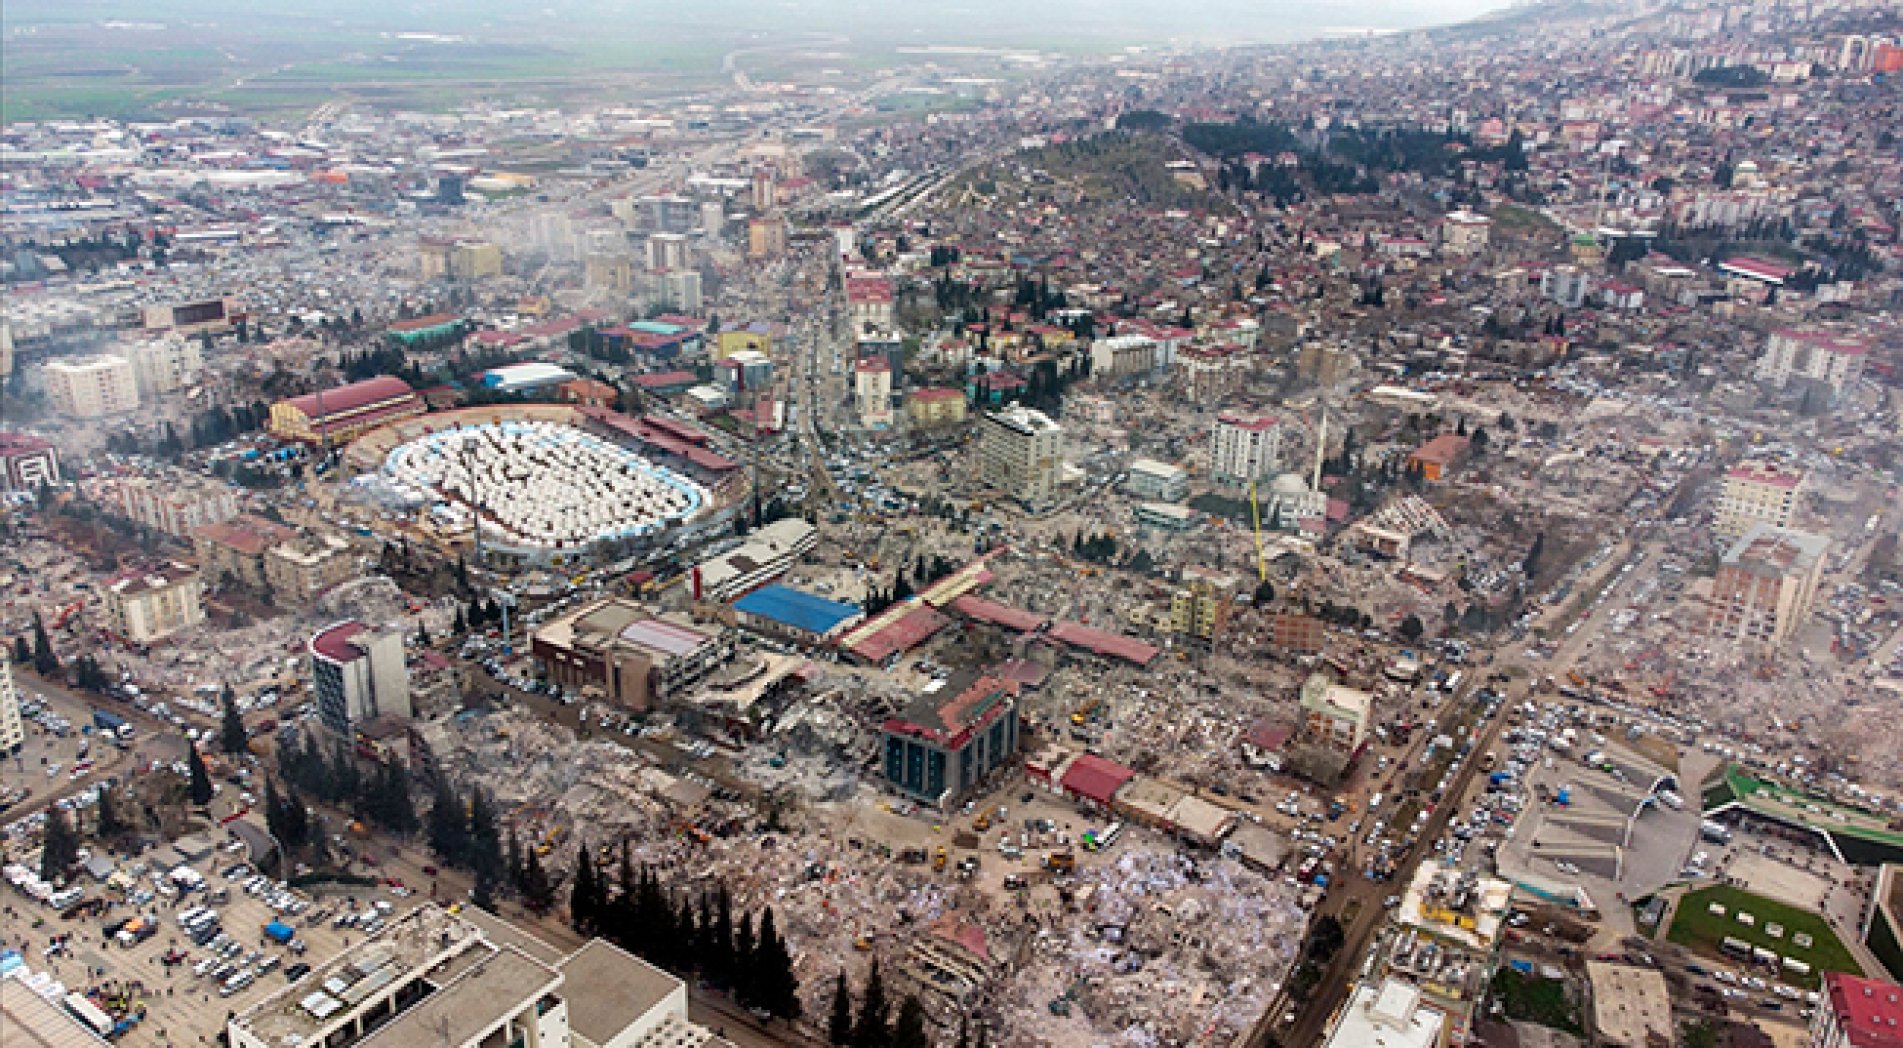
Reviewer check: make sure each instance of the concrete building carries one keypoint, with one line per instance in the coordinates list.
(766, 237)
(756, 337)
(1244, 448)
(299, 570)
(1764, 587)
(357, 674)
(214, 315)
(1388, 1014)
(1857, 1013)
(1823, 360)
(950, 739)
(1436, 457)
(1211, 374)
(1290, 502)
(1157, 481)
(12, 731)
(1463, 233)
(26, 461)
(1334, 715)
(1201, 604)
(1631, 1006)
(796, 615)
(165, 365)
(1567, 285)
(872, 392)
(175, 505)
(766, 555)
(870, 302)
(91, 387)
(339, 416)
(234, 550)
(935, 406)
(1883, 919)
(146, 606)
(469, 980)
(1755, 493)
(627, 653)
(474, 260)
(1122, 356)
(745, 371)
(1021, 453)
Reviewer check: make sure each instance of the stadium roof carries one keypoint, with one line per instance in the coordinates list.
(353, 397)
(798, 609)
(1095, 778)
(993, 613)
(1852, 834)
(890, 635)
(1105, 643)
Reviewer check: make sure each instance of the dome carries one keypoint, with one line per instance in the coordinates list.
(1289, 484)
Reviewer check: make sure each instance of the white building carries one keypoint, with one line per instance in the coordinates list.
(1244, 448)
(872, 392)
(1334, 715)
(90, 387)
(1755, 493)
(12, 734)
(1389, 1014)
(1566, 285)
(165, 365)
(1157, 481)
(552, 234)
(357, 674)
(1825, 358)
(1290, 501)
(176, 505)
(1122, 355)
(145, 606)
(765, 556)
(1021, 453)
(469, 980)
(1465, 233)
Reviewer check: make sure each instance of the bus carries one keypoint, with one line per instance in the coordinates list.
(1736, 948)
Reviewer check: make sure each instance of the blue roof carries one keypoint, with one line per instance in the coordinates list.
(796, 608)
(656, 327)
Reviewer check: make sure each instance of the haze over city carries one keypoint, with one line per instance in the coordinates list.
(892, 525)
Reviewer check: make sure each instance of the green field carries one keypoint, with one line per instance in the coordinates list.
(1528, 998)
(1694, 925)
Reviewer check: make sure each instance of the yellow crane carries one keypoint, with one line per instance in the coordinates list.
(1255, 510)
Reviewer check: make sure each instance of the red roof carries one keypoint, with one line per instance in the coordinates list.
(1757, 267)
(424, 323)
(1442, 449)
(1252, 423)
(13, 443)
(936, 393)
(247, 534)
(1765, 473)
(353, 397)
(333, 643)
(1869, 1011)
(666, 378)
(1102, 642)
(908, 632)
(1095, 778)
(991, 612)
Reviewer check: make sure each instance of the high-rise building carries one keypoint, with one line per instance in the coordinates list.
(165, 365)
(872, 392)
(1825, 360)
(1201, 605)
(1755, 493)
(90, 387)
(357, 674)
(1244, 448)
(939, 748)
(151, 604)
(12, 733)
(1764, 587)
(474, 260)
(1021, 453)
(175, 505)
(552, 234)
(669, 251)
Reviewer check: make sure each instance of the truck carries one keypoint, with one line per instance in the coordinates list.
(1671, 800)
(279, 932)
(111, 723)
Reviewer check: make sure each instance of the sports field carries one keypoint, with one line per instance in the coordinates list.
(1694, 925)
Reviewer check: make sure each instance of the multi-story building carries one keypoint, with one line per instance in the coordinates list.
(756, 337)
(1462, 916)
(1465, 233)
(1157, 481)
(872, 392)
(339, 416)
(766, 236)
(1755, 493)
(1244, 448)
(474, 260)
(1764, 587)
(766, 555)
(1120, 356)
(1567, 285)
(1820, 359)
(177, 505)
(869, 298)
(935, 406)
(1021, 453)
(91, 387)
(469, 980)
(12, 733)
(1857, 1013)
(213, 315)
(26, 461)
(1201, 605)
(669, 251)
(634, 657)
(233, 551)
(1334, 715)
(1391, 1014)
(942, 745)
(745, 371)
(165, 365)
(1211, 374)
(149, 605)
(299, 570)
(357, 675)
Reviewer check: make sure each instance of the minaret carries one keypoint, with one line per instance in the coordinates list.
(1321, 451)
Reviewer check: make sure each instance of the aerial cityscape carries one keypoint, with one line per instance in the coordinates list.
(1265, 525)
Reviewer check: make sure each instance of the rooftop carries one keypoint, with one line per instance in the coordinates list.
(353, 397)
(1775, 550)
(335, 642)
(1252, 423)
(608, 989)
(797, 608)
(975, 701)
(1629, 1004)
(1869, 1010)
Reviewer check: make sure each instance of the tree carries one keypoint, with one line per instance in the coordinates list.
(776, 988)
(45, 663)
(231, 734)
(1412, 628)
(59, 849)
(1264, 594)
(108, 823)
(448, 826)
(538, 891)
(586, 896)
(200, 778)
(872, 1028)
(746, 976)
(839, 1025)
(22, 651)
(1531, 565)
(909, 1031)
(485, 839)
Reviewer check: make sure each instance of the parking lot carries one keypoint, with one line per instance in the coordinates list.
(180, 985)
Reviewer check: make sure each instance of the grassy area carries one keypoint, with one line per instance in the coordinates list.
(1694, 925)
(1528, 998)
(1523, 220)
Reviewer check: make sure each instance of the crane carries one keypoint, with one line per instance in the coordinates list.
(1255, 511)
